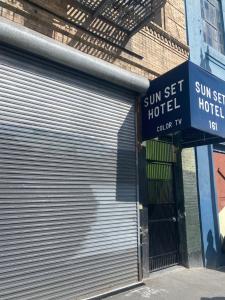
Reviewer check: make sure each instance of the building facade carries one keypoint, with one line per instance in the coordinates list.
(86, 208)
(152, 51)
(205, 27)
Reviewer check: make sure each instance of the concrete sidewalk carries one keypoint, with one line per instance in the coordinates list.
(179, 284)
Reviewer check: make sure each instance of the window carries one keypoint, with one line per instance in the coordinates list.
(213, 30)
(159, 18)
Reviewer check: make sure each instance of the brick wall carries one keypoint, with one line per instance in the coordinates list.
(159, 48)
(162, 48)
(175, 19)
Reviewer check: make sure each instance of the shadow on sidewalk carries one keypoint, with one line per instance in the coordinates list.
(213, 298)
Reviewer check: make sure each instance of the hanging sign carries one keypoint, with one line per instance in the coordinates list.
(184, 98)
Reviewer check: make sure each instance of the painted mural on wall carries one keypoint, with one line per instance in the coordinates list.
(219, 165)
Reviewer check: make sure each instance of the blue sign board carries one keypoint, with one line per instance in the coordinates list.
(184, 98)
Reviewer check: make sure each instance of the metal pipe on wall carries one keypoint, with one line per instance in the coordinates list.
(21, 37)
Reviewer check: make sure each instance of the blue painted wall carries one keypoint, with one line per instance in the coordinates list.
(214, 62)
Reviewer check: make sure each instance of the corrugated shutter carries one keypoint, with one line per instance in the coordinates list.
(68, 215)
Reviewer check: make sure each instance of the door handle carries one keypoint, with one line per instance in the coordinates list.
(174, 219)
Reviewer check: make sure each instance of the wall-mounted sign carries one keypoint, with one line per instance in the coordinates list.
(184, 98)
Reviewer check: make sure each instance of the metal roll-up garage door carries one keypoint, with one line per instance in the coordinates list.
(68, 215)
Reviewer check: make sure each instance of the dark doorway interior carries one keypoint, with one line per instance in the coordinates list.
(162, 206)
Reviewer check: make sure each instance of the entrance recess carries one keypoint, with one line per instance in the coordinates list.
(162, 208)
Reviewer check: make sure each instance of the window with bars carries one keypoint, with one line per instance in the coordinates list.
(213, 29)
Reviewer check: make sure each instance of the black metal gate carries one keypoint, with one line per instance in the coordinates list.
(162, 208)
